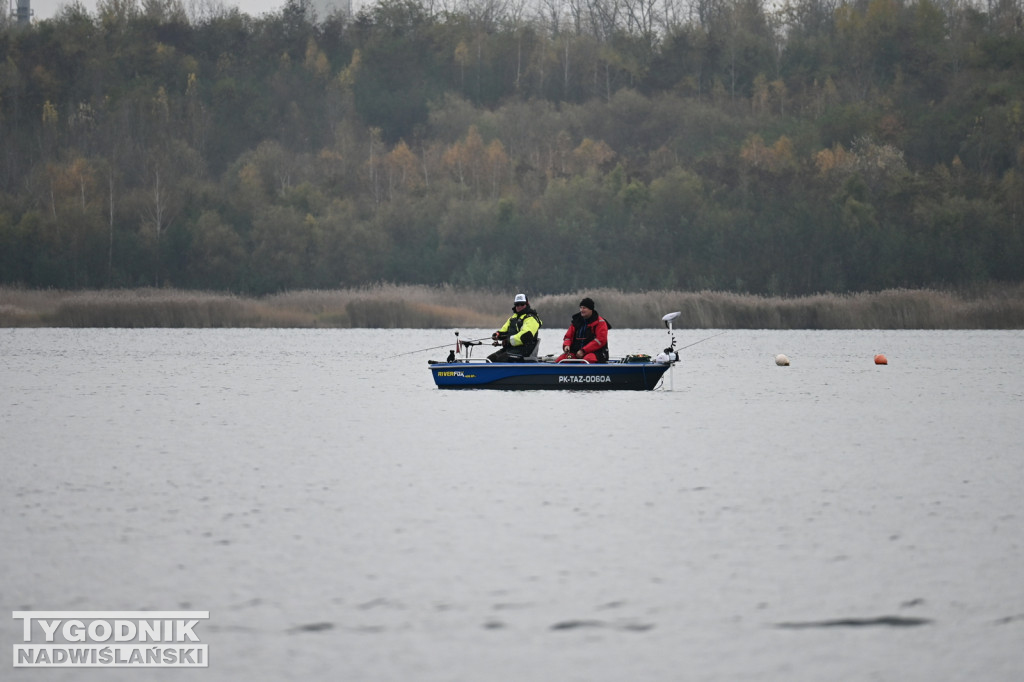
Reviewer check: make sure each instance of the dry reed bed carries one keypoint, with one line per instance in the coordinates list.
(422, 307)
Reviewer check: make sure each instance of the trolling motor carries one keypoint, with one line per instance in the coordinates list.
(669, 355)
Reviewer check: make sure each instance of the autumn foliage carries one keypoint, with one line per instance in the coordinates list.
(792, 150)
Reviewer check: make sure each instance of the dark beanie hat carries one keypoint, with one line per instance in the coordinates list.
(587, 303)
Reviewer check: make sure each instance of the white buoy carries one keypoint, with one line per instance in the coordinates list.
(781, 360)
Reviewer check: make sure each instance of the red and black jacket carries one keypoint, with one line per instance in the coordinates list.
(590, 335)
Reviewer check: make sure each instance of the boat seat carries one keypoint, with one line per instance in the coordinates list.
(532, 357)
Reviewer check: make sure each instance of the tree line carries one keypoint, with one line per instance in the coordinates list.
(819, 146)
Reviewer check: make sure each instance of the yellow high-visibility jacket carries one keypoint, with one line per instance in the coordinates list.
(522, 328)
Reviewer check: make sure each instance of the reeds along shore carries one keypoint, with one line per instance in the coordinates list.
(422, 307)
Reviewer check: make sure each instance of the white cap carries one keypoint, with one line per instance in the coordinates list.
(520, 298)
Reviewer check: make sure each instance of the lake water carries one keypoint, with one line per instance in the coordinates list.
(342, 519)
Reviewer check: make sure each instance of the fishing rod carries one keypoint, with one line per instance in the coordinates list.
(671, 354)
(667, 319)
(702, 340)
(443, 345)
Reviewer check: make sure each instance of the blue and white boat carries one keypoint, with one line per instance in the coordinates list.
(541, 375)
(630, 373)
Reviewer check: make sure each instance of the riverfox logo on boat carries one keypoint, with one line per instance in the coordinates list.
(110, 639)
(580, 379)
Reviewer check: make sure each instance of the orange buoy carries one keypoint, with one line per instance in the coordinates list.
(881, 360)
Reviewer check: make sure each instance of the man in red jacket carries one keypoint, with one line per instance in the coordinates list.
(587, 337)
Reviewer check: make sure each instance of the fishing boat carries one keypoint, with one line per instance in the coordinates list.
(541, 375)
(631, 373)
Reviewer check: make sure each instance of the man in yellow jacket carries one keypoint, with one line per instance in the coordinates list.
(518, 336)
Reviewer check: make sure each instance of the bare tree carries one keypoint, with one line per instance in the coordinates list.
(487, 15)
(606, 16)
(199, 11)
(551, 15)
(158, 213)
(642, 17)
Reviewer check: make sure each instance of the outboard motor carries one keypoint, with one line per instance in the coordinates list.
(667, 356)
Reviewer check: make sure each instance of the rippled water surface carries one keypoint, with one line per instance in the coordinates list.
(343, 519)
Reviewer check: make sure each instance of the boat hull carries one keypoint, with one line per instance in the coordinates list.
(534, 376)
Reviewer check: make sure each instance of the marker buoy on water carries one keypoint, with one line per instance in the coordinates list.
(781, 360)
(881, 360)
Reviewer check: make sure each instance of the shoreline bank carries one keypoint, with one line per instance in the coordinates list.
(421, 307)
